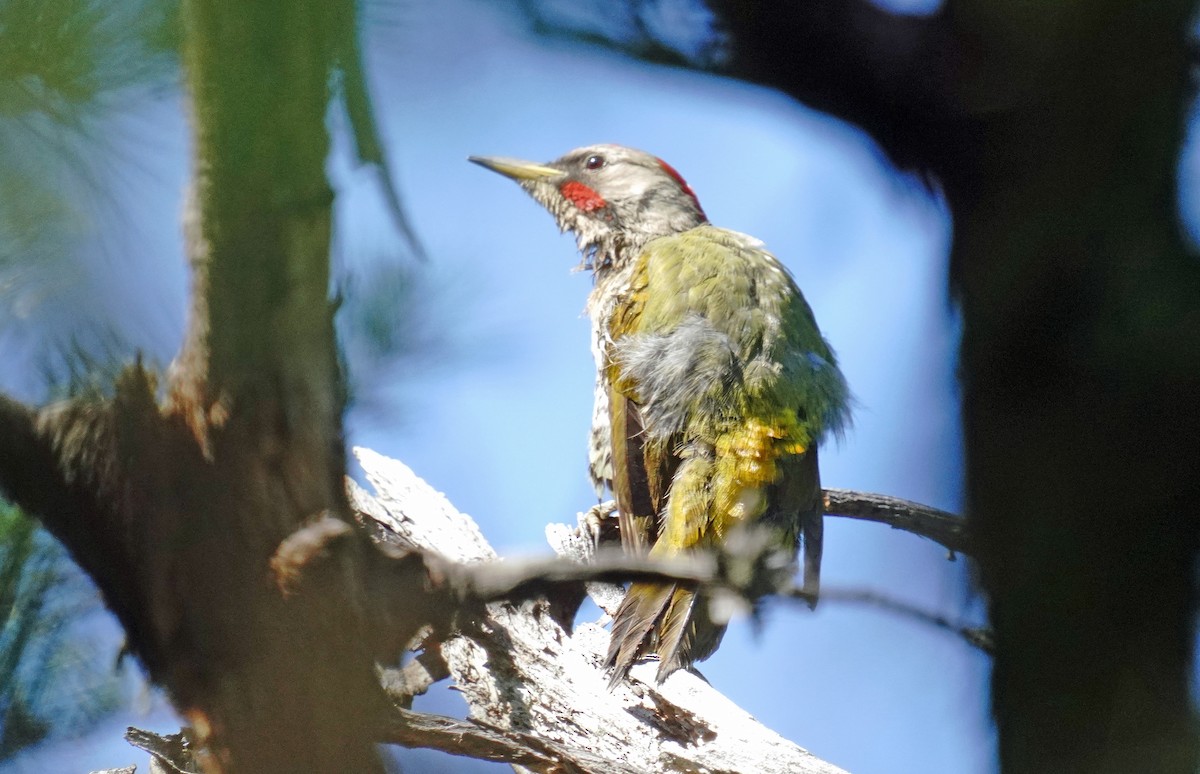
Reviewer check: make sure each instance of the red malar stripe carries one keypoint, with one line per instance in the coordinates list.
(582, 197)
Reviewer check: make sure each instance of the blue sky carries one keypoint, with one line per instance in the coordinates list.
(499, 421)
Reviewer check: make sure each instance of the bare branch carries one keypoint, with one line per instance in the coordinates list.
(414, 678)
(937, 525)
(531, 578)
(975, 636)
(30, 472)
(517, 581)
(173, 752)
(474, 740)
(532, 684)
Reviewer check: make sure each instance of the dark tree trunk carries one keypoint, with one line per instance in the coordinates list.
(1080, 363)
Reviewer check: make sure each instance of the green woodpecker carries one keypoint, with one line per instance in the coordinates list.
(713, 384)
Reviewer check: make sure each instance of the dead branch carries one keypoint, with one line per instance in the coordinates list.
(936, 525)
(522, 671)
(172, 753)
(474, 740)
(975, 636)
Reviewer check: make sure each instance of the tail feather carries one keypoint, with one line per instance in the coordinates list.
(812, 527)
(641, 609)
(687, 634)
(665, 619)
(804, 483)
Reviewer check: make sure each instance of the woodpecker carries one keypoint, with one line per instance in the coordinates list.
(714, 385)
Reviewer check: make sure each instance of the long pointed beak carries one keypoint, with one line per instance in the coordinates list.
(515, 168)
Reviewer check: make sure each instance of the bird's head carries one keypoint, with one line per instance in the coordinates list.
(614, 199)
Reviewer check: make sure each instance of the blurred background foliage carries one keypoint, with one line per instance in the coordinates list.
(66, 66)
(53, 678)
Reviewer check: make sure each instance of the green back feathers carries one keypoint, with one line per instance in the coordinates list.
(714, 331)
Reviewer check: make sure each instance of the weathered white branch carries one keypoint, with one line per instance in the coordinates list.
(522, 671)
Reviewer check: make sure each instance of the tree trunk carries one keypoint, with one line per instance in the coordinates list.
(1080, 362)
(176, 509)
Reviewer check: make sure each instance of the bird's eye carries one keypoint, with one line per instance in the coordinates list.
(594, 162)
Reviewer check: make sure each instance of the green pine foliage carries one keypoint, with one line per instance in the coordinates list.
(64, 65)
(66, 68)
(51, 676)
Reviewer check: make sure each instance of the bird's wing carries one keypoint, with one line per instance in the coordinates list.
(721, 355)
(721, 386)
(641, 470)
(725, 333)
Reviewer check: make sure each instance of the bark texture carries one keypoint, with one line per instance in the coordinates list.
(522, 670)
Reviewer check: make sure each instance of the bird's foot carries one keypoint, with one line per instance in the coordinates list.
(599, 523)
